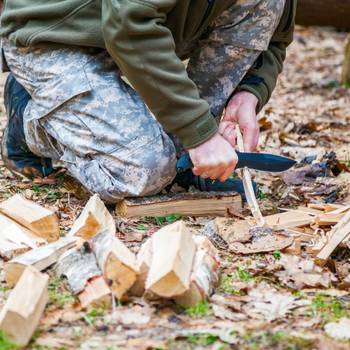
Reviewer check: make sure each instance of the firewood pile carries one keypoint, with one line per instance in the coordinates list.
(176, 263)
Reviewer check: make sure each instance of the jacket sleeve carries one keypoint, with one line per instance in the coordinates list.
(144, 50)
(262, 77)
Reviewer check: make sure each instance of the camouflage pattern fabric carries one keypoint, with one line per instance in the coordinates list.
(83, 113)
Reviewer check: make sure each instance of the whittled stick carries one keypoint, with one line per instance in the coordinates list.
(248, 185)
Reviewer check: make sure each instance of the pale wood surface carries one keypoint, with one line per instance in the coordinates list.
(94, 218)
(339, 233)
(40, 258)
(173, 253)
(16, 239)
(41, 221)
(96, 293)
(117, 262)
(205, 274)
(23, 309)
(248, 185)
(144, 260)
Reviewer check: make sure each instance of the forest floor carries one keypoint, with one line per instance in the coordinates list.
(259, 308)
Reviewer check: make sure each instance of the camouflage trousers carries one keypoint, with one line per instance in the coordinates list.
(83, 113)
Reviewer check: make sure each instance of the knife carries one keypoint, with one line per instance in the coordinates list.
(258, 161)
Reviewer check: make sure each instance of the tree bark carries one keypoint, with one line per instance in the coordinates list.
(335, 13)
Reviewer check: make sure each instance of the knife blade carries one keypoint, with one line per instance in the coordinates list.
(258, 161)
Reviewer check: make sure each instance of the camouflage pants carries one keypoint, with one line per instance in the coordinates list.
(85, 115)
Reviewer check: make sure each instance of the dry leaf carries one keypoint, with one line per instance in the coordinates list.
(339, 330)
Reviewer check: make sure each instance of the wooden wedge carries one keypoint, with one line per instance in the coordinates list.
(94, 218)
(173, 254)
(41, 221)
(117, 262)
(23, 309)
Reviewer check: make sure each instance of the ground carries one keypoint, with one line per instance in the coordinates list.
(254, 307)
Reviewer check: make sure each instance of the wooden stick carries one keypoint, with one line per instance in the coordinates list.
(339, 233)
(41, 221)
(117, 262)
(173, 253)
(187, 204)
(22, 312)
(248, 185)
(94, 218)
(40, 258)
(204, 276)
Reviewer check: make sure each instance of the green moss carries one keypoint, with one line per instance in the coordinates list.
(58, 293)
(202, 308)
(5, 343)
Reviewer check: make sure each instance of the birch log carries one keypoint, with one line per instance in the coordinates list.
(117, 262)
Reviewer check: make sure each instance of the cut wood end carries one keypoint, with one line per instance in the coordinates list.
(23, 309)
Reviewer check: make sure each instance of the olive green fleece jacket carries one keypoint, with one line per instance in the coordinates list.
(142, 36)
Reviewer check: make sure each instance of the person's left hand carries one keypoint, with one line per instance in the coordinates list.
(241, 110)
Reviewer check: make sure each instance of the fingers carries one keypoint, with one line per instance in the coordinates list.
(251, 136)
(215, 159)
(228, 131)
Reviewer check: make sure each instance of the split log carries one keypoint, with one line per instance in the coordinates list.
(333, 13)
(96, 293)
(144, 260)
(186, 204)
(94, 218)
(15, 239)
(117, 262)
(41, 221)
(339, 233)
(173, 253)
(205, 274)
(79, 267)
(22, 312)
(248, 185)
(40, 258)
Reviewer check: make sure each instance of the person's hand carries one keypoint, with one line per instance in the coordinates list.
(241, 110)
(214, 159)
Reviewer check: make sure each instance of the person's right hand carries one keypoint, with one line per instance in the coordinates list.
(214, 159)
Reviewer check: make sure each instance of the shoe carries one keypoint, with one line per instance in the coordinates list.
(16, 155)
